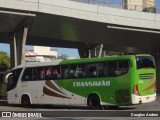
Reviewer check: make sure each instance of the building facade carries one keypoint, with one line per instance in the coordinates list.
(40, 54)
(140, 5)
(45, 51)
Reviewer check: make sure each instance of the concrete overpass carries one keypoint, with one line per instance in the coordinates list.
(66, 23)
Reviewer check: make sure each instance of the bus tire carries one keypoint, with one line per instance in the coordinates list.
(93, 101)
(25, 101)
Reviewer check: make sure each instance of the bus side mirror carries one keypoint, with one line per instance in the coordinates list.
(7, 76)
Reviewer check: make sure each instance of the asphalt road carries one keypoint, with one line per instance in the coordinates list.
(77, 113)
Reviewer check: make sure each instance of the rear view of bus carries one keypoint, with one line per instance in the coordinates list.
(144, 85)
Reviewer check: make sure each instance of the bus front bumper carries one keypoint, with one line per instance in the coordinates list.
(143, 99)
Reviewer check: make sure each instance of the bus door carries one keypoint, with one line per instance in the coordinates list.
(29, 84)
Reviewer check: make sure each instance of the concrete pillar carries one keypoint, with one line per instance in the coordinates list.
(17, 47)
(23, 45)
(13, 53)
(89, 52)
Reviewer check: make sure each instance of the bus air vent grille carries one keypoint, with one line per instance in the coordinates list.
(146, 76)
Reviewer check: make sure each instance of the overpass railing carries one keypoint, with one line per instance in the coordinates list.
(120, 5)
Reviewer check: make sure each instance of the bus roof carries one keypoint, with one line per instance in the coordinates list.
(87, 60)
(55, 62)
(77, 61)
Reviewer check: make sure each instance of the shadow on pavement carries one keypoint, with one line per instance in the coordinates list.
(4, 103)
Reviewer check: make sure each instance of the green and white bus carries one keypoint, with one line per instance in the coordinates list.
(93, 82)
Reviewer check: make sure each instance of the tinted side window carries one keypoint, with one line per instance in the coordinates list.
(27, 75)
(38, 73)
(117, 68)
(48, 73)
(81, 70)
(123, 66)
(35, 74)
(73, 71)
(92, 70)
(56, 72)
(41, 73)
(102, 70)
(113, 66)
(16, 74)
(64, 72)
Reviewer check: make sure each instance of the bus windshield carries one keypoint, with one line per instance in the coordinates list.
(13, 79)
(145, 62)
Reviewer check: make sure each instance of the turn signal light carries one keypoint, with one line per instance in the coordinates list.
(136, 91)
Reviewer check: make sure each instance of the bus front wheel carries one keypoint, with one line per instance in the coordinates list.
(94, 102)
(25, 101)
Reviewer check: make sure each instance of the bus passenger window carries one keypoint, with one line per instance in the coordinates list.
(72, 71)
(81, 71)
(56, 72)
(92, 70)
(35, 73)
(27, 76)
(102, 70)
(41, 73)
(64, 72)
(113, 65)
(117, 68)
(48, 75)
(123, 66)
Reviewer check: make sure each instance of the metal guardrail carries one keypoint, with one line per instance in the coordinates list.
(118, 4)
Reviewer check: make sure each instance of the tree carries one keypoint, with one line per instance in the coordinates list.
(4, 61)
(63, 57)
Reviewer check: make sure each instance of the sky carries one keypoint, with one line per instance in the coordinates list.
(69, 52)
(158, 5)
